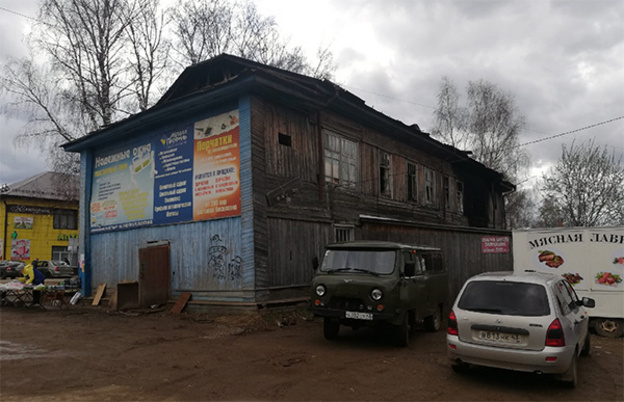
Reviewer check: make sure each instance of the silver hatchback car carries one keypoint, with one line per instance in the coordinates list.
(529, 321)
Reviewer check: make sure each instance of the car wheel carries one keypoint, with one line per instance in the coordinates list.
(569, 378)
(459, 367)
(3, 275)
(434, 322)
(331, 328)
(586, 346)
(48, 274)
(609, 327)
(402, 331)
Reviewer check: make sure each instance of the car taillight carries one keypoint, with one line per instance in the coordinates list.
(554, 334)
(56, 269)
(452, 324)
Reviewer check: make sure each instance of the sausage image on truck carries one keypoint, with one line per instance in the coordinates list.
(591, 259)
(374, 283)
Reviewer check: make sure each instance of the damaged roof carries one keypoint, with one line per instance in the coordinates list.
(225, 77)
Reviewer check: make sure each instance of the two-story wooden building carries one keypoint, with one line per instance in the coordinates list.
(241, 173)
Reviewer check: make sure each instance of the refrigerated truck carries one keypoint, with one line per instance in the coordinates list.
(592, 259)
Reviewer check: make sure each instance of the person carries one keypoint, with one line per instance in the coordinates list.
(33, 276)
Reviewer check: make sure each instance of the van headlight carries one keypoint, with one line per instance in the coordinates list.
(320, 290)
(376, 294)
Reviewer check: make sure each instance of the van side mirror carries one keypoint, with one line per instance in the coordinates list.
(410, 269)
(315, 263)
(588, 302)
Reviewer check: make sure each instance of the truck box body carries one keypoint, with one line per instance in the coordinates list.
(592, 259)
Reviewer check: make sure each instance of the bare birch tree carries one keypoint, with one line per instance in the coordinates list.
(207, 28)
(488, 125)
(585, 188)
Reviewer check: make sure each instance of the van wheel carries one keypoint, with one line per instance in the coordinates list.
(569, 378)
(331, 328)
(609, 327)
(434, 322)
(402, 331)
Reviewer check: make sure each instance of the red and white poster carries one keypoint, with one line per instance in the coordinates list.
(494, 244)
(216, 167)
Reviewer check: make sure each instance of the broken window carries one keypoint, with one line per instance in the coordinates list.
(341, 160)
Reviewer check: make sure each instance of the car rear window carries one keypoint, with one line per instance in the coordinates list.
(506, 298)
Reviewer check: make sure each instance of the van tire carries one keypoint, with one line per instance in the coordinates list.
(402, 332)
(433, 323)
(331, 329)
(609, 327)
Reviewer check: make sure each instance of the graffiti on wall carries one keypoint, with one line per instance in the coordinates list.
(222, 265)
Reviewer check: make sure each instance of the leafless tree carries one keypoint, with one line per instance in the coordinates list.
(585, 188)
(520, 210)
(207, 28)
(150, 50)
(489, 126)
(450, 117)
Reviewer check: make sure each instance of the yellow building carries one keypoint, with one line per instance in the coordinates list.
(39, 218)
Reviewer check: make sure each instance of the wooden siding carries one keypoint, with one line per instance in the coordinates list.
(462, 248)
(294, 244)
(206, 258)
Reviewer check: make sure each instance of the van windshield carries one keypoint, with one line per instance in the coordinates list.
(373, 261)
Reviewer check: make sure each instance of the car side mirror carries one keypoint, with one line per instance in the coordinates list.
(410, 269)
(588, 302)
(315, 263)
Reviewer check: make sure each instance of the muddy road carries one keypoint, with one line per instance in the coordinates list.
(91, 354)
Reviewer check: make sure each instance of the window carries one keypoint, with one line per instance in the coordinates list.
(61, 253)
(505, 298)
(385, 182)
(412, 182)
(65, 219)
(459, 192)
(344, 233)
(432, 262)
(447, 192)
(429, 186)
(284, 139)
(341, 158)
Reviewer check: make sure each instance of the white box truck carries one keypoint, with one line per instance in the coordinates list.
(592, 259)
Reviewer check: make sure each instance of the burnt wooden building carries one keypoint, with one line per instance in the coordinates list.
(241, 173)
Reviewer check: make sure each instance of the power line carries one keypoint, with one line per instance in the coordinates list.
(21, 15)
(571, 131)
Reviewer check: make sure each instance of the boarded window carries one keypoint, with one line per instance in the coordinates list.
(341, 160)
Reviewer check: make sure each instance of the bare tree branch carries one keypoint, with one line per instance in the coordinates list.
(585, 188)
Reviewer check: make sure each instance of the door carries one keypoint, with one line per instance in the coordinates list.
(154, 278)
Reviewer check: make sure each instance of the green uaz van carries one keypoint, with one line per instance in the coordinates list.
(370, 283)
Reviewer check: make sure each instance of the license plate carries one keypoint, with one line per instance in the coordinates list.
(356, 315)
(499, 337)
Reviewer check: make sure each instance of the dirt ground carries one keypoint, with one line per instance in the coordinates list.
(93, 354)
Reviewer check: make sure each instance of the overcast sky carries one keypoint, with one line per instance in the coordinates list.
(561, 60)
